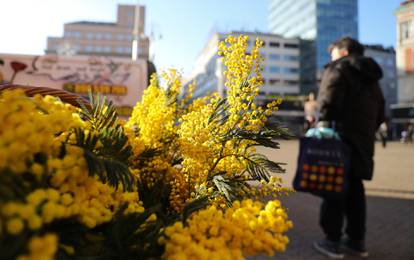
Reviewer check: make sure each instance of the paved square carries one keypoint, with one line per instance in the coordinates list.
(390, 206)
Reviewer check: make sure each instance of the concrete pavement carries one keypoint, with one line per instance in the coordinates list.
(390, 206)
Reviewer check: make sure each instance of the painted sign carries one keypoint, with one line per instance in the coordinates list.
(120, 79)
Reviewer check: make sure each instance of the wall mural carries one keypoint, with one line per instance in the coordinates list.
(121, 80)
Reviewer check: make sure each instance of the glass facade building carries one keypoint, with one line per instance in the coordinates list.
(318, 23)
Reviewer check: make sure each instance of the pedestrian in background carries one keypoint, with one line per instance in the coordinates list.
(407, 134)
(383, 134)
(350, 99)
(311, 110)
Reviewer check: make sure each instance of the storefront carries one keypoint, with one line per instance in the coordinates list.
(402, 117)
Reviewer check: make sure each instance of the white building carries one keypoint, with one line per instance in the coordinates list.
(104, 38)
(281, 66)
(403, 112)
(405, 52)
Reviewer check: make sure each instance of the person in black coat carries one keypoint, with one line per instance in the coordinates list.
(351, 101)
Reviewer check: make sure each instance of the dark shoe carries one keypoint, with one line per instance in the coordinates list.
(329, 248)
(356, 248)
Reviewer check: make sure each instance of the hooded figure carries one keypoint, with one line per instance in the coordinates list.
(351, 97)
(351, 101)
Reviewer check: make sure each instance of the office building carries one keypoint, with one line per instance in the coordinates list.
(103, 38)
(318, 23)
(281, 66)
(385, 57)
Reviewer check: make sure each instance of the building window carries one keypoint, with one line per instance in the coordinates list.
(274, 56)
(390, 62)
(99, 36)
(405, 30)
(290, 57)
(98, 48)
(291, 82)
(119, 49)
(106, 49)
(274, 44)
(291, 45)
(89, 36)
(273, 81)
(108, 36)
(379, 60)
(77, 35)
(89, 48)
(128, 37)
(290, 70)
(120, 37)
(274, 69)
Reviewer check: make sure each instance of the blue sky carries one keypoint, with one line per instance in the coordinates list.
(184, 25)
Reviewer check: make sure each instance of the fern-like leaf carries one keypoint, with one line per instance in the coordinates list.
(230, 188)
(259, 167)
(133, 237)
(108, 160)
(100, 114)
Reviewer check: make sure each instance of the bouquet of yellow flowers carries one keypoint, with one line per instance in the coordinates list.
(181, 179)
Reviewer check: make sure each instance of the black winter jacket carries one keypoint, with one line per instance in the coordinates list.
(351, 97)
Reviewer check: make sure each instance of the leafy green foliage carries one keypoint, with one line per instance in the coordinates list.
(100, 113)
(106, 147)
(145, 156)
(132, 237)
(154, 195)
(127, 236)
(259, 167)
(220, 111)
(230, 188)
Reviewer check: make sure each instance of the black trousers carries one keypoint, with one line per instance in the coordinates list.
(351, 209)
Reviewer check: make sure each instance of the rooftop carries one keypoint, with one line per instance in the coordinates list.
(93, 23)
(258, 33)
(379, 47)
(406, 4)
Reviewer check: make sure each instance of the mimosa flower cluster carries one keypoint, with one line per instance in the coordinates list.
(180, 179)
(245, 229)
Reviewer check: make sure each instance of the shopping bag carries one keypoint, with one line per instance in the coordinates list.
(323, 167)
